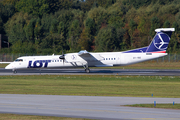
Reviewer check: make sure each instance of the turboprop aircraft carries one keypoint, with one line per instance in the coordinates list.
(156, 49)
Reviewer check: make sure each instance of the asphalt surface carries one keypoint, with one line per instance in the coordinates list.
(149, 72)
(92, 107)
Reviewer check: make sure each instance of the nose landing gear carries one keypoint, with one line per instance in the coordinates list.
(14, 71)
(87, 70)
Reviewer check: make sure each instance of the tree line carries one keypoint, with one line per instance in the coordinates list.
(53, 26)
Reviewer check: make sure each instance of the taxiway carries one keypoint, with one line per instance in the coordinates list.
(92, 107)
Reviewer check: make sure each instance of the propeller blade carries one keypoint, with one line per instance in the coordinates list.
(62, 57)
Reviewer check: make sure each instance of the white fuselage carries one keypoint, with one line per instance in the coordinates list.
(74, 60)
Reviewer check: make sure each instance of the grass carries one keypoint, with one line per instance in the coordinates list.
(154, 65)
(3, 65)
(165, 106)
(150, 65)
(31, 117)
(87, 85)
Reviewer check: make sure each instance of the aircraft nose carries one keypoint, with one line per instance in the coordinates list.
(9, 66)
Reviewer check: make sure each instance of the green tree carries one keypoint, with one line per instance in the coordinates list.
(56, 5)
(155, 23)
(65, 19)
(34, 7)
(99, 15)
(126, 41)
(176, 26)
(106, 39)
(84, 41)
(115, 16)
(12, 2)
(90, 26)
(53, 27)
(1, 26)
(132, 25)
(6, 11)
(38, 34)
(46, 23)
(163, 2)
(15, 27)
(141, 25)
(29, 30)
(166, 24)
(120, 43)
(137, 3)
(74, 33)
(105, 3)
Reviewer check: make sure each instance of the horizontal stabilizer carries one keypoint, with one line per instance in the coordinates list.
(165, 30)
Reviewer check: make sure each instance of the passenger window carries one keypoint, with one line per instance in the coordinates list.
(111, 58)
(106, 58)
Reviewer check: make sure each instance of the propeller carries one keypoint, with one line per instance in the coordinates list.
(62, 57)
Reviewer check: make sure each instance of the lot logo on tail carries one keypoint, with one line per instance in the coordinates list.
(161, 41)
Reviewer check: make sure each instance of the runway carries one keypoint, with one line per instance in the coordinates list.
(92, 107)
(147, 72)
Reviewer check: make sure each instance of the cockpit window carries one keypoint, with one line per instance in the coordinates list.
(19, 60)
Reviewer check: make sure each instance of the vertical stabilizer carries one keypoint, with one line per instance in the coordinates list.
(161, 40)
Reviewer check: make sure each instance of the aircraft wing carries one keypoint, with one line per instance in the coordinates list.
(84, 53)
(88, 56)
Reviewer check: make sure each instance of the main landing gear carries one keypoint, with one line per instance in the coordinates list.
(87, 70)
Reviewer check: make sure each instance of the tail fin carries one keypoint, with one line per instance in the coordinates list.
(161, 40)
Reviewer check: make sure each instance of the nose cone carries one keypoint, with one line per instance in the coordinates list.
(9, 66)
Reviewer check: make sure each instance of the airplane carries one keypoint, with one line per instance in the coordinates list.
(156, 49)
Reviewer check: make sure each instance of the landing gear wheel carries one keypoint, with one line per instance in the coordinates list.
(14, 71)
(87, 70)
